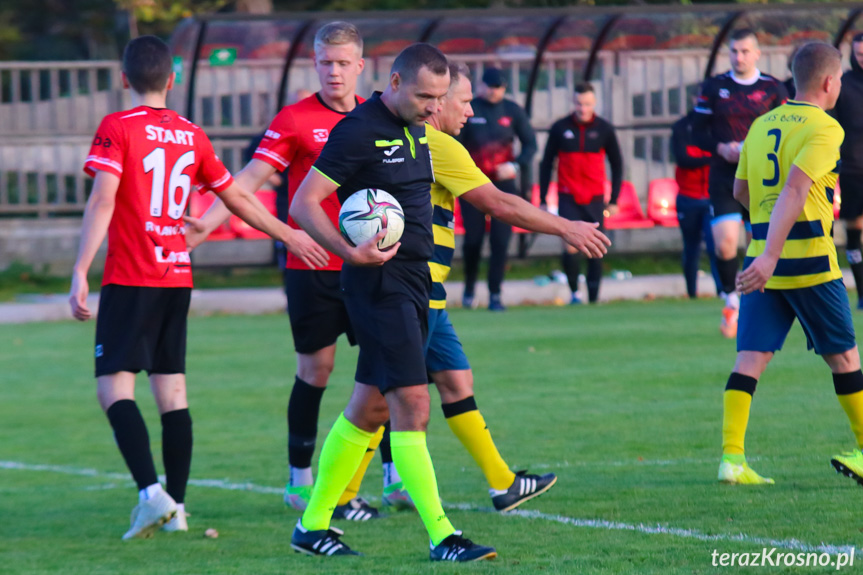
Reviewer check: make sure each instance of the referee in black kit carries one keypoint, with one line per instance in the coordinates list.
(382, 144)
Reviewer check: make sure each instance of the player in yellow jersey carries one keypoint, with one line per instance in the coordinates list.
(456, 175)
(786, 177)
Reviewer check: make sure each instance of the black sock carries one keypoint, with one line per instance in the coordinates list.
(740, 382)
(594, 277)
(855, 259)
(570, 268)
(303, 408)
(130, 432)
(386, 447)
(177, 451)
(727, 273)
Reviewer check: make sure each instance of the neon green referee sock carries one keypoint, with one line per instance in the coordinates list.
(341, 455)
(412, 459)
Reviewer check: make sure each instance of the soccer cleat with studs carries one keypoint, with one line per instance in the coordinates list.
(357, 509)
(734, 470)
(323, 543)
(524, 488)
(150, 514)
(460, 549)
(849, 464)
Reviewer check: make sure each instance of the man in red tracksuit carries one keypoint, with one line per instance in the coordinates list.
(580, 143)
(693, 202)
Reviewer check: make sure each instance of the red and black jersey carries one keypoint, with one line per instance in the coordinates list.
(727, 106)
(581, 150)
(693, 164)
(294, 141)
(160, 157)
(490, 133)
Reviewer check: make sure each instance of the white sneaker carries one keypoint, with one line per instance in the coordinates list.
(178, 523)
(151, 514)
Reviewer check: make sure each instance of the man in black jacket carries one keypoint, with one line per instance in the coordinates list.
(847, 113)
(489, 137)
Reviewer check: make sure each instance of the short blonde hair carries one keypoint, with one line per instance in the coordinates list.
(337, 34)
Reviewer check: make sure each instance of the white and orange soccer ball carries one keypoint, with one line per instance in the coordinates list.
(367, 212)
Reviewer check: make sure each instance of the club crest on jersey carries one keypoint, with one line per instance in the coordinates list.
(568, 135)
(505, 121)
(724, 93)
(758, 96)
(321, 135)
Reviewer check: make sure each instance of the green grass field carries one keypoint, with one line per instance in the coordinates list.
(622, 401)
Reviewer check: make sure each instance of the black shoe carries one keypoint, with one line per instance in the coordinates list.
(357, 509)
(524, 488)
(458, 548)
(324, 542)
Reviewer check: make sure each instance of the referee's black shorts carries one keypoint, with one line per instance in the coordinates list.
(141, 329)
(316, 309)
(388, 306)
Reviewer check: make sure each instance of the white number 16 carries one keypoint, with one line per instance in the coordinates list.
(155, 162)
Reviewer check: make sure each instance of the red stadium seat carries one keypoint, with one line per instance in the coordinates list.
(630, 42)
(662, 202)
(462, 46)
(570, 43)
(388, 48)
(198, 205)
(458, 222)
(630, 214)
(247, 232)
(837, 200)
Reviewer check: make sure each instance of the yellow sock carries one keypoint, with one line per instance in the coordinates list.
(849, 392)
(735, 418)
(414, 464)
(340, 456)
(353, 487)
(467, 423)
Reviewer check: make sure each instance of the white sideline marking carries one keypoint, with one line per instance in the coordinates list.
(790, 544)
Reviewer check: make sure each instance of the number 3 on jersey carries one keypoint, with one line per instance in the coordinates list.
(155, 162)
(773, 158)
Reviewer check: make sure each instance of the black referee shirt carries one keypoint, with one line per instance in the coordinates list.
(373, 148)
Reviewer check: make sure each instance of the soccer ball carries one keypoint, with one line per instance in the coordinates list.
(367, 212)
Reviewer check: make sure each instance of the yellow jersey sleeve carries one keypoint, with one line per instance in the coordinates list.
(454, 169)
(818, 156)
(743, 163)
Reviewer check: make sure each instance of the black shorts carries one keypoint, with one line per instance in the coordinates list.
(141, 328)
(388, 307)
(851, 207)
(316, 309)
(723, 206)
(593, 212)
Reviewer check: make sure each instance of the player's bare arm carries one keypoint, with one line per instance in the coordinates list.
(250, 209)
(585, 237)
(307, 212)
(788, 208)
(252, 177)
(97, 217)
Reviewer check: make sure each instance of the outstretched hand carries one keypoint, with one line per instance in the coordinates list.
(587, 238)
(196, 232)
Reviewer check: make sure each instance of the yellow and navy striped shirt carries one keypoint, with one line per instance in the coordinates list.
(803, 135)
(455, 173)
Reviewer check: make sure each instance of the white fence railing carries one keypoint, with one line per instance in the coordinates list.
(49, 111)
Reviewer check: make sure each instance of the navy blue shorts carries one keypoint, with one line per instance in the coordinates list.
(388, 308)
(443, 348)
(316, 309)
(823, 311)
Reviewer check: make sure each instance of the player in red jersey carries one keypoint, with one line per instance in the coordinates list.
(146, 161)
(317, 313)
